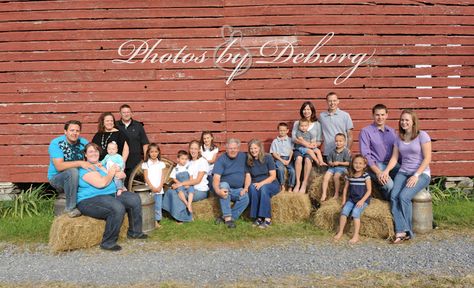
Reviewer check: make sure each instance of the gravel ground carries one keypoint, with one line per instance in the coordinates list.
(446, 257)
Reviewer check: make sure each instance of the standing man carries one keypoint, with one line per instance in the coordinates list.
(228, 183)
(335, 121)
(65, 156)
(376, 144)
(137, 139)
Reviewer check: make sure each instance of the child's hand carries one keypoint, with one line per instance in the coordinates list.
(286, 162)
(360, 203)
(331, 164)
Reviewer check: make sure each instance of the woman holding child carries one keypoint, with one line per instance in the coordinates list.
(307, 111)
(197, 168)
(96, 197)
(107, 133)
(413, 147)
(260, 173)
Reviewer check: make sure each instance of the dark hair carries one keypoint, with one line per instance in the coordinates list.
(152, 145)
(261, 154)
(415, 130)
(101, 126)
(282, 124)
(199, 152)
(73, 122)
(379, 107)
(314, 117)
(351, 171)
(330, 94)
(303, 120)
(125, 106)
(182, 152)
(340, 134)
(91, 144)
(201, 142)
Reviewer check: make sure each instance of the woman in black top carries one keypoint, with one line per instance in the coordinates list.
(107, 133)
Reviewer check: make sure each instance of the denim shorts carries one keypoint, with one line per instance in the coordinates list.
(337, 170)
(351, 207)
(302, 150)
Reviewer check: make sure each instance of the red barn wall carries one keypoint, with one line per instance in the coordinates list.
(56, 65)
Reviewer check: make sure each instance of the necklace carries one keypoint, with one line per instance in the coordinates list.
(103, 143)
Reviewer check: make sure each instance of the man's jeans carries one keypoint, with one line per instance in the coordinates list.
(387, 188)
(67, 181)
(280, 169)
(400, 200)
(240, 202)
(112, 210)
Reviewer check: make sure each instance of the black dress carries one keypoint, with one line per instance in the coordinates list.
(104, 138)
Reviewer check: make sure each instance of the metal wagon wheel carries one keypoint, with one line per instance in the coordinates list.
(137, 178)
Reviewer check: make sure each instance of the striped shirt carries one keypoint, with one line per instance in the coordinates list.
(357, 188)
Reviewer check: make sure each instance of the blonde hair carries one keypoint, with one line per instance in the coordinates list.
(261, 153)
(415, 130)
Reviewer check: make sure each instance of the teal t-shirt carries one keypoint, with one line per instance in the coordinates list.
(86, 190)
(61, 148)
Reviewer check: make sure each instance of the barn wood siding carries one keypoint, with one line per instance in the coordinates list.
(56, 65)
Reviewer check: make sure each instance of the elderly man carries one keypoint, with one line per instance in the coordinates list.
(228, 183)
(65, 156)
(376, 144)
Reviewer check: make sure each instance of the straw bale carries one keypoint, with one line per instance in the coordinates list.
(327, 216)
(81, 232)
(207, 209)
(290, 207)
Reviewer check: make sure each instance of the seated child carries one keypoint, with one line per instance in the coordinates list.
(113, 158)
(303, 134)
(338, 161)
(355, 196)
(180, 174)
(282, 151)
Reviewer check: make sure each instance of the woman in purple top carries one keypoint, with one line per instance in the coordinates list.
(414, 149)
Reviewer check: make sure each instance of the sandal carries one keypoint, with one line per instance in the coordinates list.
(400, 239)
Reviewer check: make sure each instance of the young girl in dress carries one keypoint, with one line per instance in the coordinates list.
(154, 177)
(209, 151)
(355, 196)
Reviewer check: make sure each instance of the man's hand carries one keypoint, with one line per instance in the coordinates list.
(222, 193)
(243, 192)
(87, 165)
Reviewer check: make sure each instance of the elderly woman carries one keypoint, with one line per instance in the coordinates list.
(96, 198)
(107, 133)
(260, 172)
(307, 111)
(198, 169)
(413, 147)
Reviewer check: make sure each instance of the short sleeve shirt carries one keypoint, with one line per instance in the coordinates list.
(314, 129)
(86, 190)
(208, 155)
(231, 170)
(260, 171)
(196, 166)
(155, 172)
(411, 153)
(60, 148)
(282, 146)
(337, 122)
(358, 187)
(343, 156)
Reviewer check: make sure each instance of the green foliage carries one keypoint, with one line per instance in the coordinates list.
(31, 202)
(441, 194)
(27, 230)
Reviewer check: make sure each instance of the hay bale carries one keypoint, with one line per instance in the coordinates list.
(207, 209)
(68, 234)
(376, 220)
(290, 207)
(327, 216)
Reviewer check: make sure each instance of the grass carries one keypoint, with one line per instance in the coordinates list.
(27, 230)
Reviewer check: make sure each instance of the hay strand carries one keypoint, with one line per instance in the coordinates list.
(290, 207)
(207, 209)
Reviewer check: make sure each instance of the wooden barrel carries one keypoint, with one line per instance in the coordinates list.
(148, 207)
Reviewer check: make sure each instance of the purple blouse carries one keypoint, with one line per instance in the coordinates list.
(411, 153)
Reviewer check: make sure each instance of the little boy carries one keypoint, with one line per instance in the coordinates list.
(303, 134)
(282, 150)
(180, 174)
(339, 159)
(113, 158)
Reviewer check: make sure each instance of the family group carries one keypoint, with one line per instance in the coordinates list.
(92, 174)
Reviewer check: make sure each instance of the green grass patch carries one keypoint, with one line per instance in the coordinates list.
(454, 213)
(25, 230)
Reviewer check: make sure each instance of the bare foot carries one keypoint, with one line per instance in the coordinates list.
(282, 188)
(190, 208)
(323, 197)
(302, 189)
(290, 190)
(323, 163)
(157, 225)
(337, 237)
(119, 192)
(296, 188)
(335, 196)
(354, 240)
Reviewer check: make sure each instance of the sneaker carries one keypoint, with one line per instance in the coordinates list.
(74, 213)
(139, 236)
(257, 222)
(265, 224)
(230, 224)
(116, 247)
(219, 220)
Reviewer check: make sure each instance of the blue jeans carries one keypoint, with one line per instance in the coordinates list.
(341, 170)
(280, 169)
(260, 200)
(176, 207)
(351, 208)
(67, 181)
(158, 206)
(112, 210)
(400, 200)
(387, 188)
(118, 183)
(181, 177)
(240, 202)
